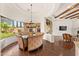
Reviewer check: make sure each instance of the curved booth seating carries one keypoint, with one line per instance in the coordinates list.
(35, 41)
(22, 42)
(32, 42)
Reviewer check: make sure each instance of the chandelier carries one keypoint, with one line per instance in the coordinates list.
(31, 24)
(31, 13)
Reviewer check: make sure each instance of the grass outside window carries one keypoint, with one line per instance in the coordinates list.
(5, 35)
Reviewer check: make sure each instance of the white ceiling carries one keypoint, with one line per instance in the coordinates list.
(20, 11)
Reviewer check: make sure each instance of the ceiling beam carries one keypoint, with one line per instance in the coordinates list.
(78, 17)
(69, 13)
(72, 15)
(74, 6)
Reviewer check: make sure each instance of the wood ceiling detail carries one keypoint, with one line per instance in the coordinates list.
(70, 13)
(74, 17)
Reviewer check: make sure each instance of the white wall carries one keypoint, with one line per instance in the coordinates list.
(63, 22)
(42, 21)
(75, 26)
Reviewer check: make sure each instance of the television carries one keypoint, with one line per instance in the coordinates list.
(62, 28)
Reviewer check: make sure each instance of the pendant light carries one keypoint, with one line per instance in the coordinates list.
(32, 25)
(31, 13)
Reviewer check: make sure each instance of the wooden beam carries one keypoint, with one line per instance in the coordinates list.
(72, 15)
(68, 10)
(69, 13)
(77, 17)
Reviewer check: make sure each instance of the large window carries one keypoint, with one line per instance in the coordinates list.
(8, 26)
(14, 23)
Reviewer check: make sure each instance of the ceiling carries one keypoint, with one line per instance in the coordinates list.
(21, 11)
(70, 13)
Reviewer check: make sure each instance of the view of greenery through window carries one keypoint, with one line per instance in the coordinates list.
(7, 27)
(5, 30)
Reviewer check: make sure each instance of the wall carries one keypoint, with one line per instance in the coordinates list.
(55, 26)
(72, 27)
(57, 23)
(42, 21)
(75, 26)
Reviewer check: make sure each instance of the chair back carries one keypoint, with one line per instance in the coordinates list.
(67, 37)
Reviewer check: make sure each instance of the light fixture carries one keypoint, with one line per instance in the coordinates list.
(32, 25)
(31, 12)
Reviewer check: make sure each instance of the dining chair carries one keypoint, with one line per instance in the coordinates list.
(67, 41)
